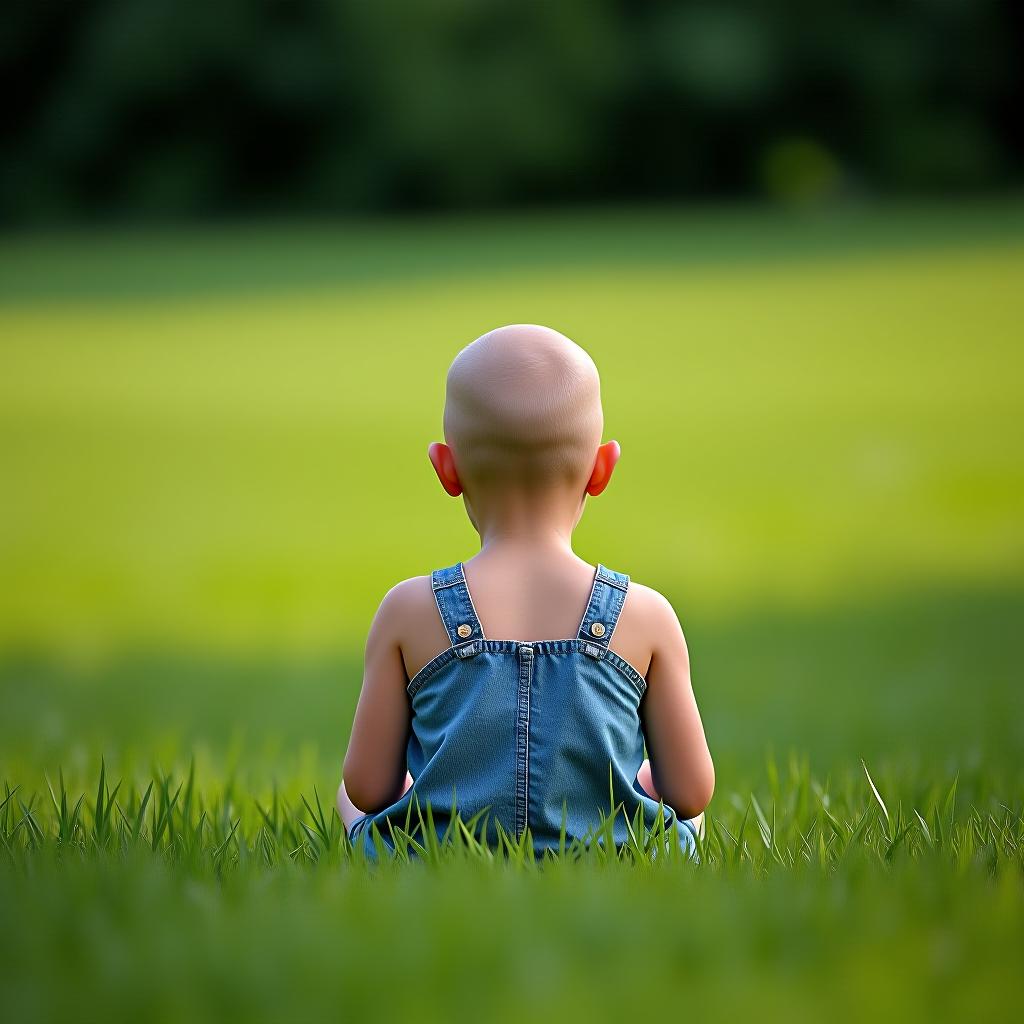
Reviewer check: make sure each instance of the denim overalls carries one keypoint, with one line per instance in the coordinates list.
(532, 731)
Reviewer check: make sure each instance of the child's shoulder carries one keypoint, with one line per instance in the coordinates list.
(647, 624)
(646, 604)
(414, 598)
(411, 600)
(408, 618)
(648, 601)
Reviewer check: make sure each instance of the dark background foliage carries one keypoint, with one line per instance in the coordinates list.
(183, 108)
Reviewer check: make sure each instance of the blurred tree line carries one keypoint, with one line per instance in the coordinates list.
(168, 108)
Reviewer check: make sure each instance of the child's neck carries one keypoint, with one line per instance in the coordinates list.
(538, 538)
(518, 527)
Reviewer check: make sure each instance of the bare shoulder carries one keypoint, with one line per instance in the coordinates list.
(651, 609)
(648, 624)
(405, 606)
(408, 596)
(408, 616)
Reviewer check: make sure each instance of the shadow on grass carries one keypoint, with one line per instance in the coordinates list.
(926, 678)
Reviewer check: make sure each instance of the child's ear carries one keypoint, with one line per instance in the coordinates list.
(607, 456)
(441, 459)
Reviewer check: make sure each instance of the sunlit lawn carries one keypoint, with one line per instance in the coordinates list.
(212, 454)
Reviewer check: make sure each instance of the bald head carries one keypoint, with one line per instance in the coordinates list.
(523, 406)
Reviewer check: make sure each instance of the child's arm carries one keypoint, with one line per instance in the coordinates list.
(680, 762)
(374, 772)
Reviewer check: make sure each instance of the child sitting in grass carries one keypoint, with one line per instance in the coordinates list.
(519, 688)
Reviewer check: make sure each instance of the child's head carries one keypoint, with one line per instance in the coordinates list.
(523, 416)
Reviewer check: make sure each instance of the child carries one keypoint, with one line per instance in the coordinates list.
(524, 682)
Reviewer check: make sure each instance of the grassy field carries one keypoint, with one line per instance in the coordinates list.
(212, 450)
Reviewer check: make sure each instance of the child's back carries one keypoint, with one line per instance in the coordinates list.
(520, 686)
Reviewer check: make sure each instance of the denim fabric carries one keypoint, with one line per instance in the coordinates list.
(533, 732)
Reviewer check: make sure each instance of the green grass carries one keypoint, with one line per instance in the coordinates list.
(246, 470)
(212, 462)
(916, 681)
(799, 823)
(171, 903)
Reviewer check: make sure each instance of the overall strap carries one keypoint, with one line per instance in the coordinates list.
(606, 600)
(455, 605)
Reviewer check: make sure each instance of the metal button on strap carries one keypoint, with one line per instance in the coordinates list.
(597, 629)
(465, 630)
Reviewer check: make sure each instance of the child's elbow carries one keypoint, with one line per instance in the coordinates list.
(363, 797)
(354, 788)
(369, 791)
(694, 797)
